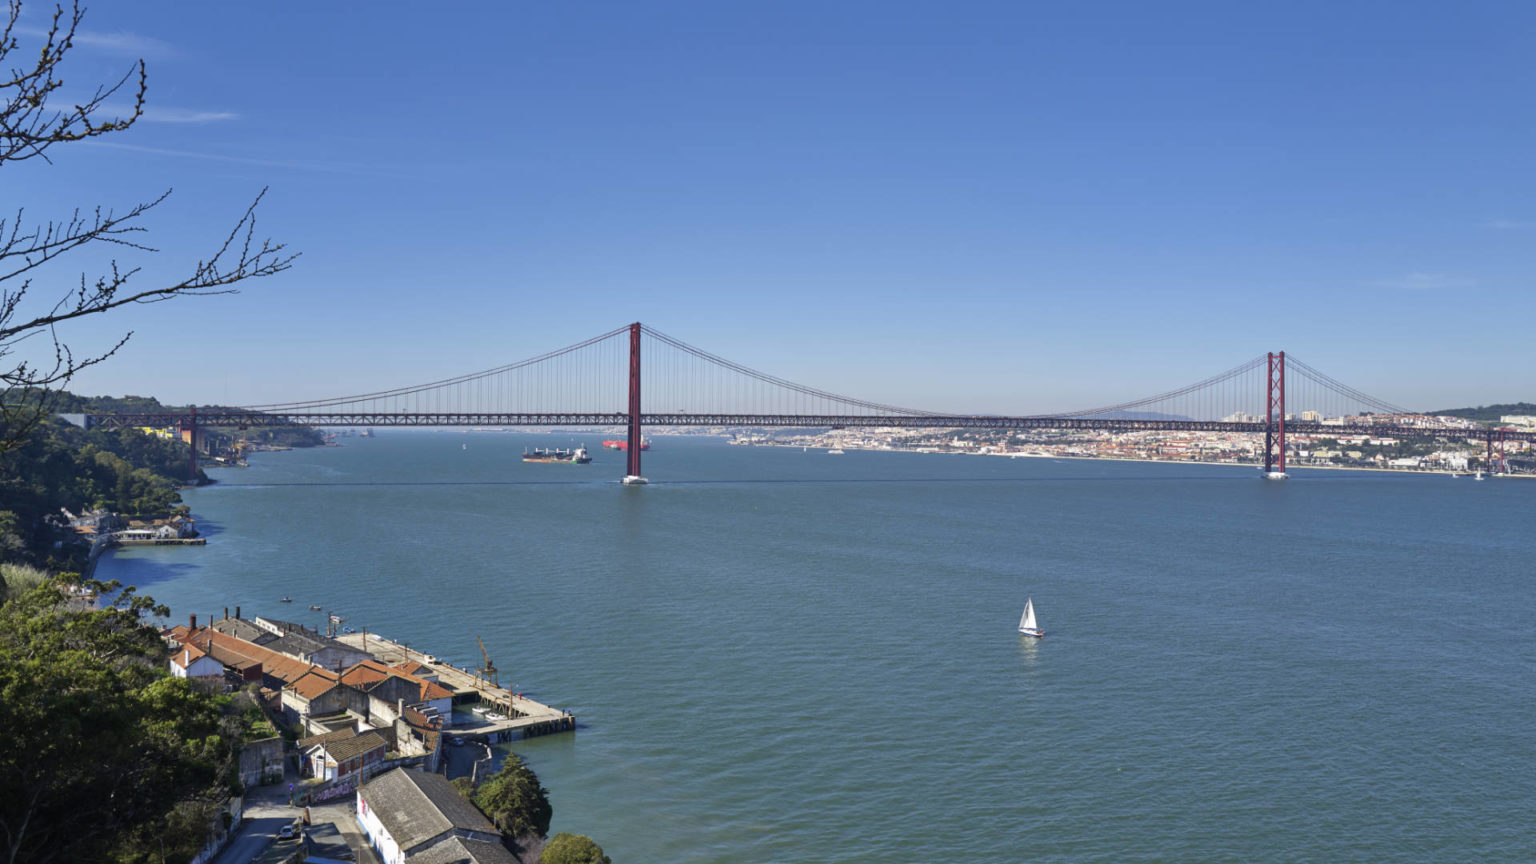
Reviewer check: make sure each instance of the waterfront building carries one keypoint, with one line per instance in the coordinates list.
(310, 645)
(411, 817)
(389, 691)
(244, 630)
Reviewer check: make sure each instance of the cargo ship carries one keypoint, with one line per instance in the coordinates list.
(571, 457)
(622, 444)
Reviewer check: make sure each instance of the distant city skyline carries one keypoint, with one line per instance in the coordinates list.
(991, 208)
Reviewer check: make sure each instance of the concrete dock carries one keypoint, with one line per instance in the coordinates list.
(525, 718)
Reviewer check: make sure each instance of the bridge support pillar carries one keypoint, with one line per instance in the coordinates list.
(1274, 418)
(632, 477)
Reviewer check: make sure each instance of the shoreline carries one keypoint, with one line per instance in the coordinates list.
(1253, 465)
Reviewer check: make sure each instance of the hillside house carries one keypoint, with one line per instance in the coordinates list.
(410, 817)
(343, 755)
(316, 693)
(194, 663)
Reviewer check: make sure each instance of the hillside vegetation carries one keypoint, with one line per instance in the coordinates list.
(1490, 413)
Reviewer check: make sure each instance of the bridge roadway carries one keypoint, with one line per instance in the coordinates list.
(260, 419)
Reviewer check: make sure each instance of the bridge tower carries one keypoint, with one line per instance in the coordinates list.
(1274, 418)
(190, 427)
(632, 477)
(1490, 464)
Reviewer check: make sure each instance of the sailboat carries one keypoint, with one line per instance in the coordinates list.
(1027, 623)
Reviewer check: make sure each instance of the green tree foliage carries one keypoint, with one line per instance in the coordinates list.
(573, 849)
(1490, 413)
(514, 801)
(59, 466)
(464, 786)
(106, 756)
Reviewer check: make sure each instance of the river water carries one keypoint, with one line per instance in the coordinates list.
(778, 655)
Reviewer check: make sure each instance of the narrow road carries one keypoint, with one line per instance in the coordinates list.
(266, 810)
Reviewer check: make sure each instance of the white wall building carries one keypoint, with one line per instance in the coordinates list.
(189, 661)
(407, 813)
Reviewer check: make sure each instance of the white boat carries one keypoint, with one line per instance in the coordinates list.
(1027, 624)
(1477, 476)
(835, 451)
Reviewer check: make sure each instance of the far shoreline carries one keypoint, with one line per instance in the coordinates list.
(1253, 465)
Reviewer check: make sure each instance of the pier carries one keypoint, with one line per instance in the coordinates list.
(525, 718)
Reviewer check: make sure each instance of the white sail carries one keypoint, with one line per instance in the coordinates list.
(1028, 621)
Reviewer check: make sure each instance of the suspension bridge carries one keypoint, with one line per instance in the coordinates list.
(598, 382)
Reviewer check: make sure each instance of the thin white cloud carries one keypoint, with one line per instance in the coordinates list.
(124, 43)
(121, 42)
(185, 115)
(292, 164)
(154, 113)
(1425, 282)
(1512, 224)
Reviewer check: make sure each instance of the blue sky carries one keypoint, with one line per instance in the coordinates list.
(992, 207)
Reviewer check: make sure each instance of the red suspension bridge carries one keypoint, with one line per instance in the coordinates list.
(598, 382)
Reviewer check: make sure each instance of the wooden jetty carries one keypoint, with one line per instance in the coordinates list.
(525, 718)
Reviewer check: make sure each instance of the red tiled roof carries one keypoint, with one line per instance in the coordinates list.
(371, 671)
(433, 690)
(186, 655)
(238, 653)
(419, 720)
(314, 684)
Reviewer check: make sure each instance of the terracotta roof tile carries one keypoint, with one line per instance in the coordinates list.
(239, 653)
(369, 672)
(315, 683)
(186, 655)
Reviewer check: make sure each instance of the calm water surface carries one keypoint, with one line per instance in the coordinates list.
(788, 656)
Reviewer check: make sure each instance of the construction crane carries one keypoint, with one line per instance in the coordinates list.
(488, 671)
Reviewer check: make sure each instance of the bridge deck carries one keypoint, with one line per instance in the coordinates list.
(1293, 428)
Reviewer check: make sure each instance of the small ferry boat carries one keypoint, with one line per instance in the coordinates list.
(571, 457)
(1027, 624)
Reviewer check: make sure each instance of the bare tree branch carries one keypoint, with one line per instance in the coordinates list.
(28, 128)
